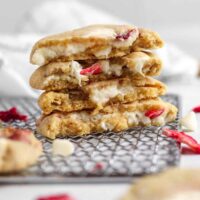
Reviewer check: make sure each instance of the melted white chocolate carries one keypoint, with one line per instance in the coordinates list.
(41, 55)
(139, 64)
(136, 118)
(106, 126)
(103, 53)
(56, 78)
(75, 71)
(101, 96)
(107, 68)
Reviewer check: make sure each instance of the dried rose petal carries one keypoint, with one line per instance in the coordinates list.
(183, 138)
(17, 134)
(154, 113)
(98, 166)
(196, 109)
(125, 36)
(20, 135)
(56, 197)
(11, 115)
(92, 70)
(188, 151)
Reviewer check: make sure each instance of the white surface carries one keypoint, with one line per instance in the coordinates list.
(15, 68)
(80, 192)
(190, 98)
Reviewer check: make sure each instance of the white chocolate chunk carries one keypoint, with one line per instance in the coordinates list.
(38, 57)
(103, 52)
(62, 147)
(106, 126)
(140, 64)
(109, 69)
(44, 54)
(136, 118)
(105, 94)
(189, 121)
(75, 71)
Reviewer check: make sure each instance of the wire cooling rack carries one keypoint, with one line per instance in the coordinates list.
(107, 157)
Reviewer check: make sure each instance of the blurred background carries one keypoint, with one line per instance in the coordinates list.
(178, 21)
(24, 22)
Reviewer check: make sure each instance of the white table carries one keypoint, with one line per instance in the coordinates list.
(190, 95)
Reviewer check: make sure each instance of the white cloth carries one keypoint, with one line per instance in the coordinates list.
(69, 14)
(177, 65)
(15, 69)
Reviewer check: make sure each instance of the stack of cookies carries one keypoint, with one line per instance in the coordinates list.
(98, 78)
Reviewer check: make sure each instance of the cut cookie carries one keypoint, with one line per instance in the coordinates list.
(19, 149)
(96, 95)
(93, 42)
(115, 118)
(147, 40)
(74, 74)
(177, 184)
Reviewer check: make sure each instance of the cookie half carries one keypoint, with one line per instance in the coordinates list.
(74, 74)
(19, 149)
(93, 42)
(115, 118)
(177, 184)
(96, 95)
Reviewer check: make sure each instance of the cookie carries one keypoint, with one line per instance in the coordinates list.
(19, 149)
(93, 42)
(114, 117)
(74, 74)
(147, 40)
(177, 184)
(96, 95)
